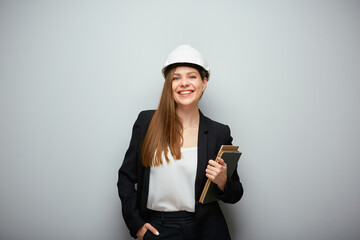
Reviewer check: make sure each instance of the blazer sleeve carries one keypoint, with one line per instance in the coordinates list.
(128, 178)
(233, 188)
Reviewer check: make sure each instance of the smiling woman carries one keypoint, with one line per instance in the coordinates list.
(188, 86)
(170, 156)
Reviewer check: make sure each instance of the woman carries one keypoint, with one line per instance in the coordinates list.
(170, 158)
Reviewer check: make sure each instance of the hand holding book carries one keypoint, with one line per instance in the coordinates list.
(216, 171)
(230, 155)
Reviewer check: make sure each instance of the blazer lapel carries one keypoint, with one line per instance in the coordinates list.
(202, 156)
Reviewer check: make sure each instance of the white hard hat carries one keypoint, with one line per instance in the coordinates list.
(186, 54)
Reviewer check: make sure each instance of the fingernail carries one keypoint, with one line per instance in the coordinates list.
(157, 233)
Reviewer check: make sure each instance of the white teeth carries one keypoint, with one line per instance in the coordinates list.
(185, 92)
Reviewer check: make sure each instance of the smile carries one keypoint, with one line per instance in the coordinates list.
(185, 92)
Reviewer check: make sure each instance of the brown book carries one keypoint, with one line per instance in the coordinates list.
(231, 156)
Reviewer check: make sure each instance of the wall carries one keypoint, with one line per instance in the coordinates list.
(75, 74)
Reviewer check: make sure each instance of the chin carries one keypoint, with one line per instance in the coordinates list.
(185, 104)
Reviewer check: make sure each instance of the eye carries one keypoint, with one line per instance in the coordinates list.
(175, 78)
(193, 77)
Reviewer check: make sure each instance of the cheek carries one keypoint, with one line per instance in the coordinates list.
(173, 87)
(201, 87)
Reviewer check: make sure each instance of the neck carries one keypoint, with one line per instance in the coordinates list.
(189, 116)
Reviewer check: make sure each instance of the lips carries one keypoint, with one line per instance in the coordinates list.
(185, 92)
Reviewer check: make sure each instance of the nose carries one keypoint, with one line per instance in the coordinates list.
(184, 81)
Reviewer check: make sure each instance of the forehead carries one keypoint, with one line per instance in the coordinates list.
(185, 70)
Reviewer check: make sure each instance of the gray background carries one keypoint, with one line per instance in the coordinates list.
(75, 74)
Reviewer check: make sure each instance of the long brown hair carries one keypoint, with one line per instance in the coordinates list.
(165, 129)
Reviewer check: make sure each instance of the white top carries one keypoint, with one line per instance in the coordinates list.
(172, 185)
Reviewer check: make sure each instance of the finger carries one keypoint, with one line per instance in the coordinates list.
(152, 229)
(211, 162)
(211, 172)
(140, 234)
(209, 176)
(214, 163)
(212, 168)
(221, 161)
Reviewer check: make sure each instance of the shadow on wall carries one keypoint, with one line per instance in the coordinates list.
(123, 232)
(235, 223)
(125, 235)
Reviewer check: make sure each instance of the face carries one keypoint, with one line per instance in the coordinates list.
(187, 86)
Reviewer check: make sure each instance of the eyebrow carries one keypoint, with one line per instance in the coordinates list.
(186, 73)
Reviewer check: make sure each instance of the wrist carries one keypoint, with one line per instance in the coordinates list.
(221, 187)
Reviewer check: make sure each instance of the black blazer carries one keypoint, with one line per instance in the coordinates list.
(133, 181)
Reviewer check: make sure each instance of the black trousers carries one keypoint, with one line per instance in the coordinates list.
(179, 225)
